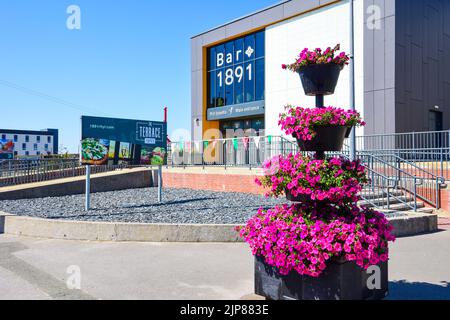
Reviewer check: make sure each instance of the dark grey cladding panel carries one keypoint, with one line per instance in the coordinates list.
(422, 62)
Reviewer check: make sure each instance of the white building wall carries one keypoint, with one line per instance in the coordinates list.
(319, 29)
(21, 139)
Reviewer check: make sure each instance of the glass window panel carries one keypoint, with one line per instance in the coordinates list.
(238, 125)
(260, 44)
(239, 84)
(229, 53)
(212, 89)
(229, 86)
(249, 84)
(220, 88)
(259, 79)
(239, 51)
(212, 59)
(249, 47)
(220, 57)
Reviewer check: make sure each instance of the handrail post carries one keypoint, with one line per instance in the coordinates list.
(438, 194)
(415, 194)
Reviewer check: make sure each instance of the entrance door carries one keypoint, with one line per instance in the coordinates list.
(436, 124)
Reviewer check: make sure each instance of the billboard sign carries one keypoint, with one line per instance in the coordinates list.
(6, 149)
(122, 141)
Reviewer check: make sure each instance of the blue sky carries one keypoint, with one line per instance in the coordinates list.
(129, 59)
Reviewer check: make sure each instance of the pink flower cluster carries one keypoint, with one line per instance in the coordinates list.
(318, 56)
(304, 238)
(335, 180)
(301, 122)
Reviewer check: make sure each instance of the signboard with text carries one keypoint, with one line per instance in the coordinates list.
(117, 141)
(236, 74)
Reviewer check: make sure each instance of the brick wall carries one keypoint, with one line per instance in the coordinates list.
(213, 182)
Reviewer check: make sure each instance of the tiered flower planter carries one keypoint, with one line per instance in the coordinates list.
(323, 246)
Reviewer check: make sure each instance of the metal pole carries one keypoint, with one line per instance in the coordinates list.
(88, 188)
(160, 182)
(352, 80)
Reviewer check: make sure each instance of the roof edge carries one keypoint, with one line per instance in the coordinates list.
(241, 18)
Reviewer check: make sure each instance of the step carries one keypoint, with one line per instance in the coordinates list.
(384, 201)
(406, 207)
(369, 194)
(426, 210)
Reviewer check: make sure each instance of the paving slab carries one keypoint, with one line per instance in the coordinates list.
(184, 271)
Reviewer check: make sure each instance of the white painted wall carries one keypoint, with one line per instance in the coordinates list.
(21, 138)
(285, 40)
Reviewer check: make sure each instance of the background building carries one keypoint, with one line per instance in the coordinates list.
(402, 64)
(32, 143)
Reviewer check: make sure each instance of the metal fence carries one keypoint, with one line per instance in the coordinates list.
(238, 152)
(15, 172)
(428, 151)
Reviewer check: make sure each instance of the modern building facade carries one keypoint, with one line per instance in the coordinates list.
(32, 143)
(401, 59)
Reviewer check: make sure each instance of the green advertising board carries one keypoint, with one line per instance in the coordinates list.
(123, 141)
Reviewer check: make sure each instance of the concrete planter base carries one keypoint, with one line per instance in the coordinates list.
(410, 225)
(340, 281)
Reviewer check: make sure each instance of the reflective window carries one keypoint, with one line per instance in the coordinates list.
(259, 79)
(236, 71)
(260, 45)
(249, 84)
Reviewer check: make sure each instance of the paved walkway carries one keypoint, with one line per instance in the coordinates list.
(39, 269)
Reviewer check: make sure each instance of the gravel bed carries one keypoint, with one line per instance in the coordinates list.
(181, 206)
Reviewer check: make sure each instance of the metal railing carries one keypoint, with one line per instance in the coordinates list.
(429, 151)
(407, 188)
(427, 185)
(238, 152)
(394, 181)
(15, 172)
(404, 141)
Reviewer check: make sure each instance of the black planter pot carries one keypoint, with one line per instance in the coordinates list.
(340, 281)
(327, 139)
(299, 198)
(320, 79)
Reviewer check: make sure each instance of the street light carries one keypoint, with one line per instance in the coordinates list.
(352, 79)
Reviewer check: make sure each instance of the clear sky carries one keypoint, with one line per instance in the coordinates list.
(129, 59)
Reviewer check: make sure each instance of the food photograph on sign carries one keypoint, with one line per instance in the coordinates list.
(6, 149)
(108, 141)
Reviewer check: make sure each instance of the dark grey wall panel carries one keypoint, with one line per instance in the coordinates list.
(422, 62)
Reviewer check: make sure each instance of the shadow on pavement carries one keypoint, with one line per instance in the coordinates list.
(403, 290)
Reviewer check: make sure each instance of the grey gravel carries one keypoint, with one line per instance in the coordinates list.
(180, 206)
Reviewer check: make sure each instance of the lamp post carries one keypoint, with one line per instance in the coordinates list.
(352, 79)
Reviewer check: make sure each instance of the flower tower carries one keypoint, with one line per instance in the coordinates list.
(322, 246)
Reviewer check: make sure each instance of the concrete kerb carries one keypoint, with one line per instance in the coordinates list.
(413, 224)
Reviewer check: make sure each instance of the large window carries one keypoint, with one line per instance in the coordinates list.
(236, 71)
